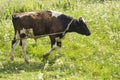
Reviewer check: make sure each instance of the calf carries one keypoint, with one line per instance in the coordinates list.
(38, 23)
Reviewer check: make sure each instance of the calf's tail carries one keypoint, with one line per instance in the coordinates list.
(14, 17)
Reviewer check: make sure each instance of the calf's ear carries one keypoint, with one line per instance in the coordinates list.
(81, 19)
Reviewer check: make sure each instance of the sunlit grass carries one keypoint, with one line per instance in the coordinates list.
(96, 57)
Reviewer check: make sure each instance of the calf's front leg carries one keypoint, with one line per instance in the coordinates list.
(53, 46)
(55, 42)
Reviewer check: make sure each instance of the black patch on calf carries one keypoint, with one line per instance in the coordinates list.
(64, 20)
(20, 42)
(13, 42)
(23, 35)
(59, 44)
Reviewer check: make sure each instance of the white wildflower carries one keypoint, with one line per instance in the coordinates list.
(40, 76)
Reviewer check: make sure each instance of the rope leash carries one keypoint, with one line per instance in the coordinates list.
(63, 33)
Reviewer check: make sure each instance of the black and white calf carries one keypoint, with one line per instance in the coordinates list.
(37, 23)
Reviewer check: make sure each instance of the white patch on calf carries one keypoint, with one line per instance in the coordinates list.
(54, 46)
(58, 39)
(27, 32)
(22, 31)
(56, 14)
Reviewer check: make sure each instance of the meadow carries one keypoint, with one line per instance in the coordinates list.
(95, 57)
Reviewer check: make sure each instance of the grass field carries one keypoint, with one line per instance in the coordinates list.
(96, 57)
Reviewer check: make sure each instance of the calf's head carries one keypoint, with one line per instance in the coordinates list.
(81, 27)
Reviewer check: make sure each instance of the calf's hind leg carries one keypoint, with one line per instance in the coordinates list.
(14, 42)
(23, 47)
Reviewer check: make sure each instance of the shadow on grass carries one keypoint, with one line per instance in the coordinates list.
(16, 67)
(10, 67)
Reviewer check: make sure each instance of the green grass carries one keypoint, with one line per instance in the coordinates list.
(96, 57)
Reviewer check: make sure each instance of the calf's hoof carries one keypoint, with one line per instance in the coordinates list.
(12, 58)
(59, 55)
(46, 55)
(27, 61)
